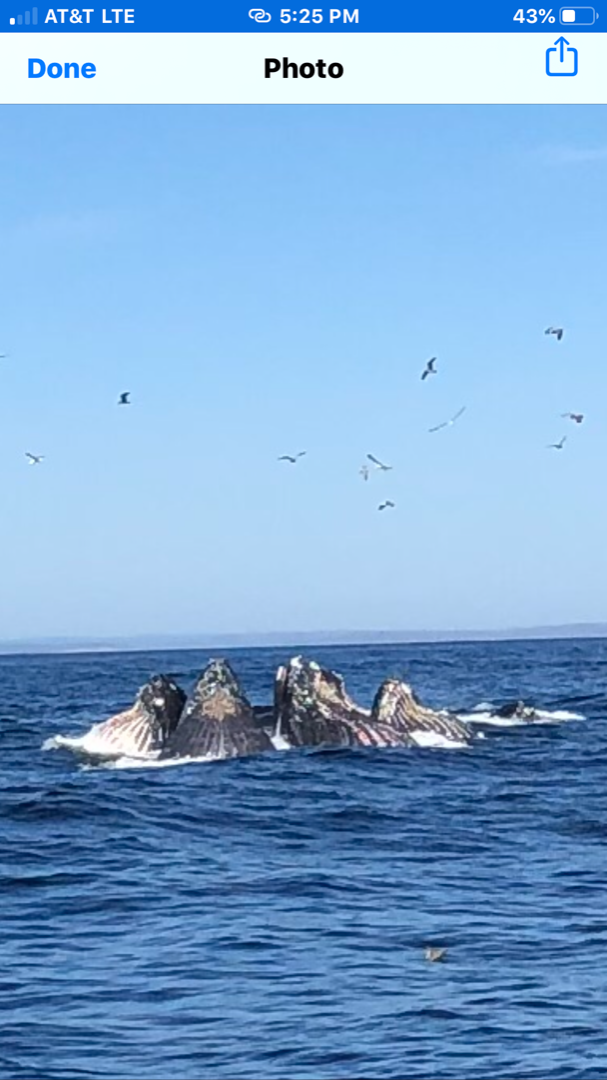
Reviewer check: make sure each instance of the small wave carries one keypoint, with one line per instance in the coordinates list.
(125, 762)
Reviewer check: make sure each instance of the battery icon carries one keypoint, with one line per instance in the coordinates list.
(577, 16)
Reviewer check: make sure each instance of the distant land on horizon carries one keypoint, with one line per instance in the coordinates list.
(169, 642)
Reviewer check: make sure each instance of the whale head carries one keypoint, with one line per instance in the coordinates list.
(163, 701)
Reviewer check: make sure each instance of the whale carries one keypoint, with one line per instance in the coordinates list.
(140, 731)
(312, 708)
(217, 720)
(517, 710)
(397, 707)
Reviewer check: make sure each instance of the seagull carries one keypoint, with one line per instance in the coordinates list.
(386, 504)
(379, 464)
(429, 368)
(124, 398)
(290, 458)
(434, 954)
(34, 459)
(557, 445)
(556, 330)
(364, 472)
(448, 423)
(577, 417)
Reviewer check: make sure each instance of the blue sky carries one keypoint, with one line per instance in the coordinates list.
(271, 279)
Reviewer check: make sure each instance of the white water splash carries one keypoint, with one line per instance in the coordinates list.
(435, 740)
(484, 714)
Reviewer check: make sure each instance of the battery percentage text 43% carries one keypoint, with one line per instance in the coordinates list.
(532, 15)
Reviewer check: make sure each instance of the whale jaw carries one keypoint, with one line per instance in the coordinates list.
(217, 721)
(312, 708)
(136, 732)
(397, 709)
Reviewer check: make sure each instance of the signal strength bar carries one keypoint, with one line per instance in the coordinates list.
(26, 18)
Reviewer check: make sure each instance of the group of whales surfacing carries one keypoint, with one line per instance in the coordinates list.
(311, 709)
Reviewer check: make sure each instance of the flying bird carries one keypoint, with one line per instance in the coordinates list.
(557, 445)
(448, 423)
(290, 458)
(124, 398)
(34, 459)
(429, 368)
(386, 504)
(577, 417)
(556, 330)
(364, 472)
(433, 954)
(379, 464)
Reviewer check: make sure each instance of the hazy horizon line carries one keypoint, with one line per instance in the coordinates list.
(177, 642)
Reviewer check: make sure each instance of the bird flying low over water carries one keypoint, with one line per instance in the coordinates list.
(379, 464)
(433, 954)
(290, 458)
(577, 417)
(448, 423)
(429, 368)
(34, 459)
(364, 472)
(124, 398)
(557, 331)
(386, 504)
(557, 445)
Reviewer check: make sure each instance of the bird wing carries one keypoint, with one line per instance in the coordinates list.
(559, 334)
(286, 457)
(425, 374)
(458, 414)
(376, 461)
(439, 426)
(302, 453)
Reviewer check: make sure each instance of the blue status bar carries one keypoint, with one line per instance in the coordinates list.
(369, 16)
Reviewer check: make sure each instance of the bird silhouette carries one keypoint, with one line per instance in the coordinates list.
(557, 331)
(124, 398)
(34, 459)
(577, 417)
(386, 504)
(379, 464)
(364, 472)
(557, 445)
(448, 423)
(429, 368)
(290, 458)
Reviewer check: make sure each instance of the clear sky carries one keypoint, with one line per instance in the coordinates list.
(271, 279)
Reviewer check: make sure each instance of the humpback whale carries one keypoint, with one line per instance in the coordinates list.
(312, 708)
(137, 732)
(396, 707)
(516, 710)
(217, 721)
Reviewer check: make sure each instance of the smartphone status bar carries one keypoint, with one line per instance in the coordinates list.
(191, 16)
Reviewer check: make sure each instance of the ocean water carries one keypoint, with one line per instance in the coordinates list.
(267, 918)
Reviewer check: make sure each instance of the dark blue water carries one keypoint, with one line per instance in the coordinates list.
(268, 918)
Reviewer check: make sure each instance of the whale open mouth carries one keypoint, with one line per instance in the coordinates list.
(397, 709)
(137, 732)
(313, 708)
(217, 721)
